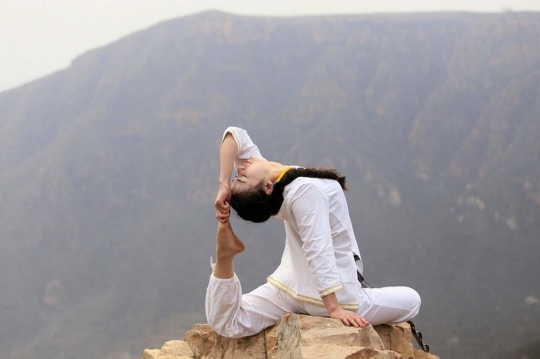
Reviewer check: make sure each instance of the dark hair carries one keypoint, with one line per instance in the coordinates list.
(256, 206)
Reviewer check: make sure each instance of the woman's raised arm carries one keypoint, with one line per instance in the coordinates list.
(227, 155)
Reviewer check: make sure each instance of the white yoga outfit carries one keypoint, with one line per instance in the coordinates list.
(317, 261)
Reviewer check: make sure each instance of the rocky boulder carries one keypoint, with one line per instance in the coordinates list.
(297, 337)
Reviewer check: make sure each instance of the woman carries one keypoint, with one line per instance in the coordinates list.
(318, 270)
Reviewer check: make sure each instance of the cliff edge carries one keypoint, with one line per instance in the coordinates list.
(297, 337)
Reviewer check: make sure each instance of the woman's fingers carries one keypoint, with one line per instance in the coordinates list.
(222, 217)
(361, 321)
(223, 212)
(354, 320)
(221, 205)
(349, 318)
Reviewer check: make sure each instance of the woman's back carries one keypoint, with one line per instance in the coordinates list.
(320, 242)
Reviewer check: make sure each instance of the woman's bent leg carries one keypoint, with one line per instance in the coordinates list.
(389, 305)
(233, 315)
(230, 313)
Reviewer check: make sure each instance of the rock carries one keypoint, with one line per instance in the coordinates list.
(397, 338)
(205, 343)
(174, 349)
(297, 337)
(284, 339)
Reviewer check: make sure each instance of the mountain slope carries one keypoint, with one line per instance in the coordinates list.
(108, 172)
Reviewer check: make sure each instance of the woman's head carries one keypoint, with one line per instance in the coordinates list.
(254, 204)
(259, 201)
(254, 172)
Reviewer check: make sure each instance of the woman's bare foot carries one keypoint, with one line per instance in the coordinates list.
(227, 243)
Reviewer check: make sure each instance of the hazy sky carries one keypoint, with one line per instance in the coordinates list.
(39, 37)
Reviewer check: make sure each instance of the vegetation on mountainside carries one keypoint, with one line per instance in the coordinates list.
(108, 173)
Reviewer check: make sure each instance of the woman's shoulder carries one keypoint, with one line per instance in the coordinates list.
(306, 185)
(312, 181)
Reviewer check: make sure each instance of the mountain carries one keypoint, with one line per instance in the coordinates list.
(108, 173)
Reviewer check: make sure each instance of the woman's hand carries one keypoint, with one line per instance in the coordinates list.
(223, 208)
(349, 318)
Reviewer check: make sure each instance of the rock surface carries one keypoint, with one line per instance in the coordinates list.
(297, 337)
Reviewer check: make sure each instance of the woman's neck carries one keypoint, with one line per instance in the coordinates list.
(275, 169)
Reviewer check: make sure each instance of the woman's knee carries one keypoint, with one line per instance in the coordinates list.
(236, 325)
(229, 332)
(391, 305)
(415, 301)
(226, 327)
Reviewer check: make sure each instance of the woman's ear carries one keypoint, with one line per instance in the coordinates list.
(268, 187)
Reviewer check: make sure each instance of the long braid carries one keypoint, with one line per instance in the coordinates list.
(294, 173)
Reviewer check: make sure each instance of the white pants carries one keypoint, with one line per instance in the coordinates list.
(234, 315)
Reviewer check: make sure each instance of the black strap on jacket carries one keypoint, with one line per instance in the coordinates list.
(417, 335)
(360, 277)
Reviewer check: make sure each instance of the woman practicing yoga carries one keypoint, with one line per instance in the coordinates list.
(321, 260)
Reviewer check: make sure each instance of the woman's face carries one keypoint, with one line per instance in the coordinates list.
(250, 174)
